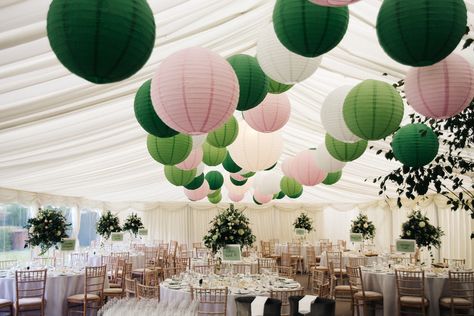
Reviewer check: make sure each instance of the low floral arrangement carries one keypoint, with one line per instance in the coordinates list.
(229, 227)
(46, 230)
(132, 224)
(303, 221)
(362, 225)
(418, 227)
(108, 223)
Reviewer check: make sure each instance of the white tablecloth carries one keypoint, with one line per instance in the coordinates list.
(138, 261)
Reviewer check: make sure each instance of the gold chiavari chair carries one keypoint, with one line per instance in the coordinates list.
(268, 264)
(342, 244)
(210, 299)
(111, 266)
(7, 264)
(356, 262)
(119, 291)
(153, 278)
(92, 297)
(266, 252)
(325, 247)
(241, 268)
(324, 241)
(286, 261)
(183, 251)
(341, 292)
(361, 297)
(461, 293)
(335, 257)
(283, 297)
(310, 261)
(296, 257)
(168, 273)
(125, 255)
(78, 258)
(201, 252)
(324, 290)
(411, 291)
(151, 259)
(148, 292)
(139, 247)
(273, 252)
(204, 269)
(183, 263)
(130, 287)
(116, 273)
(318, 278)
(286, 272)
(454, 263)
(6, 305)
(30, 288)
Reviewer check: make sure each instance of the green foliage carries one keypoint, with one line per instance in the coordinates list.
(418, 227)
(303, 221)
(363, 226)
(108, 223)
(132, 224)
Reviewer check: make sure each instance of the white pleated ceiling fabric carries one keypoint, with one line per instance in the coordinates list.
(62, 135)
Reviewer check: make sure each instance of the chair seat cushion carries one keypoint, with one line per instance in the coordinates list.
(413, 300)
(4, 302)
(457, 301)
(81, 297)
(27, 301)
(140, 271)
(339, 270)
(342, 288)
(114, 285)
(113, 291)
(322, 268)
(370, 295)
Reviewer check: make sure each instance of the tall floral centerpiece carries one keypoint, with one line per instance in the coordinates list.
(229, 227)
(46, 230)
(362, 225)
(132, 224)
(108, 223)
(303, 221)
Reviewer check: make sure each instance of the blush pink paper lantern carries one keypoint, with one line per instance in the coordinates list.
(262, 198)
(192, 161)
(270, 115)
(194, 91)
(441, 90)
(236, 197)
(198, 194)
(286, 167)
(333, 3)
(238, 177)
(307, 171)
(237, 189)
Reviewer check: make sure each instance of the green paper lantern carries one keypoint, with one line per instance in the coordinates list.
(275, 87)
(308, 29)
(332, 177)
(196, 183)
(280, 195)
(169, 150)
(248, 174)
(214, 194)
(179, 177)
(415, 145)
(229, 164)
(345, 151)
(101, 41)
(216, 199)
(215, 180)
(224, 135)
(421, 33)
(252, 81)
(146, 115)
(237, 182)
(213, 156)
(373, 110)
(290, 187)
(255, 201)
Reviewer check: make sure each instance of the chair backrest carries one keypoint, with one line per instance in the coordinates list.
(130, 287)
(94, 280)
(324, 241)
(355, 279)
(30, 283)
(173, 248)
(461, 284)
(121, 255)
(410, 283)
(283, 297)
(210, 299)
(294, 249)
(310, 256)
(152, 278)
(168, 273)
(358, 262)
(7, 264)
(318, 279)
(286, 272)
(140, 247)
(46, 262)
(151, 257)
(454, 263)
(268, 264)
(241, 268)
(148, 292)
(324, 290)
(185, 263)
(335, 257)
(342, 244)
(164, 246)
(327, 246)
(197, 245)
(201, 252)
(266, 250)
(204, 269)
(273, 243)
(285, 259)
(123, 268)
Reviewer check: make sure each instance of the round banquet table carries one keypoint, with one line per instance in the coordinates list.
(281, 248)
(345, 259)
(137, 261)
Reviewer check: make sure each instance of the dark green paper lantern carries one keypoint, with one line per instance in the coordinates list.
(345, 151)
(196, 183)
(146, 115)
(252, 81)
(178, 176)
(280, 195)
(237, 182)
(213, 156)
(415, 145)
(216, 199)
(248, 174)
(332, 177)
(101, 41)
(169, 150)
(290, 187)
(215, 180)
(276, 87)
(421, 32)
(229, 164)
(214, 194)
(271, 167)
(373, 110)
(224, 135)
(308, 29)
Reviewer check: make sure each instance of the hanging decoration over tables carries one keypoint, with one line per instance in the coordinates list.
(237, 177)
(246, 174)
(442, 90)
(179, 177)
(146, 115)
(229, 227)
(333, 3)
(277, 87)
(279, 63)
(242, 189)
(373, 110)
(185, 91)
(229, 164)
(267, 183)
(238, 182)
(262, 198)
(170, 150)
(215, 179)
(253, 82)
(214, 193)
(415, 145)
(46, 230)
(270, 115)
(307, 29)
(196, 183)
(102, 42)
(108, 223)
(236, 197)
(419, 228)
(215, 199)
(306, 169)
(290, 187)
(213, 156)
(192, 161)
(287, 167)
(198, 193)
(303, 221)
(132, 224)
(278, 196)
(225, 134)
(326, 162)
(362, 225)
(198, 140)
(420, 33)
(345, 151)
(333, 177)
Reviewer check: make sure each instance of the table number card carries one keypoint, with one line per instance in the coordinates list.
(405, 245)
(300, 231)
(68, 244)
(356, 237)
(231, 253)
(143, 232)
(116, 236)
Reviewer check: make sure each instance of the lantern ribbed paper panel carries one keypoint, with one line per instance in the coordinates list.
(238, 177)
(308, 29)
(214, 193)
(277, 87)
(192, 161)
(101, 41)
(373, 110)
(225, 134)
(246, 174)
(237, 189)
(333, 3)
(199, 193)
(229, 164)
(415, 145)
(179, 177)
(267, 183)
(421, 33)
(270, 115)
(169, 150)
(255, 151)
(307, 171)
(290, 187)
(255, 201)
(345, 151)
(213, 156)
(333, 178)
(194, 91)
(146, 115)
(198, 140)
(279, 63)
(332, 116)
(196, 182)
(280, 195)
(286, 167)
(238, 182)
(216, 199)
(326, 162)
(235, 197)
(253, 82)
(442, 90)
(215, 180)
(262, 198)
(468, 55)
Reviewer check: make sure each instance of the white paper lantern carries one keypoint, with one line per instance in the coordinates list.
(327, 162)
(332, 117)
(279, 63)
(200, 169)
(267, 182)
(198, 140)
(255, 151)
(198, 194)
(262, 198)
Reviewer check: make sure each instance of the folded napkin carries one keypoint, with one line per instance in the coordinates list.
(258, 305)
(304, 305)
